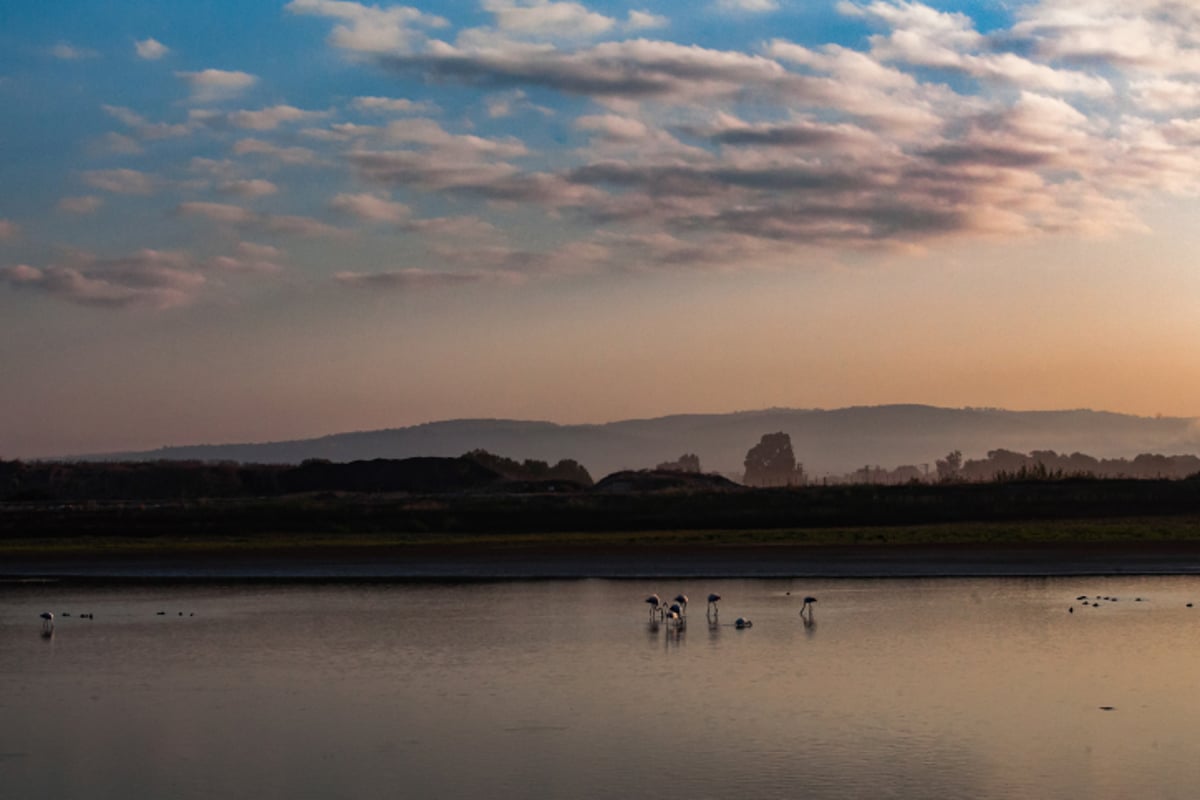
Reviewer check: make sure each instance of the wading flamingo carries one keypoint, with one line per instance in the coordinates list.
(808, 606)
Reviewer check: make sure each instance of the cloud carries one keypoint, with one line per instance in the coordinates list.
(748, 6)
(121, 144)
(150, 49)
(143, 128)
(458, 228)
(429, 134)
(506, 104)
(1166, 95)
(237, 216)
(8, 230)
(633, 69)
(249, 257)
(267, 119)
(393, 105)
(408, 279)
(370, 29)
(614, 127)
(370, 207)
(149, 278)
(497, 182)
(256, 187)
(803, 133)
(644, 20)
(122, 181)
(343, 132)
(219, 212)
(1154, 35)
(212, 85)
(83, 204)
(922, 36)
(287, 155)
(545, 19)
(68, 52)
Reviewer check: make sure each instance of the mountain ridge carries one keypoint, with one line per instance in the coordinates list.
(827, 441)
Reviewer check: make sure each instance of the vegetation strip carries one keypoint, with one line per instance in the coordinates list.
(1057, 532)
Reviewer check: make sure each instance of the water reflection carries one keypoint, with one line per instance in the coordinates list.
(988, 689)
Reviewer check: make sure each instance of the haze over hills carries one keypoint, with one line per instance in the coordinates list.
(826, 441)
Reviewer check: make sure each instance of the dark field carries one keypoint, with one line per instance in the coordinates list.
(1034, 528)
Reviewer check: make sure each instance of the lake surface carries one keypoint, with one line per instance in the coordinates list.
(945, 688)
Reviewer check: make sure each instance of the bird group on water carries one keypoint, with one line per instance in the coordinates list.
(676, 613)
(1094, 602)
(48, 618)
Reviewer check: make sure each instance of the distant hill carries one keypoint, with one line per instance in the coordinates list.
(825, 441)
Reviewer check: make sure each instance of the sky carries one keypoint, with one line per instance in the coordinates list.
(248, 221)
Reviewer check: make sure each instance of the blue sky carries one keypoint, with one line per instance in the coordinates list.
(256, 220)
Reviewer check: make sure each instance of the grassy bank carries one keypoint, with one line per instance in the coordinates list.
(1059, 532)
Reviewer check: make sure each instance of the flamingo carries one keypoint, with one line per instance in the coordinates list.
(808, 605)
(655, 605)
(742, 622)
(47, 621)
(681, 599)
(712, 602)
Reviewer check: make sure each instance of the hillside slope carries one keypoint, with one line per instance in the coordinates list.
(826, 441)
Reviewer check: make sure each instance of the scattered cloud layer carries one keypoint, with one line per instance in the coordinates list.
(640, 150)
(148, 278)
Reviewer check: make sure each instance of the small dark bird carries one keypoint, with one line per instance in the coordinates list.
(1071, 610)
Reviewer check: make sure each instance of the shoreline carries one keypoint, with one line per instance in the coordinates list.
(447, 562)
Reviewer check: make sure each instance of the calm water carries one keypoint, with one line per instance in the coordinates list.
(916, 689)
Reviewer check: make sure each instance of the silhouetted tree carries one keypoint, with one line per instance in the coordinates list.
(771, 462)
(688, 462)
(532, 469)
(948, 468)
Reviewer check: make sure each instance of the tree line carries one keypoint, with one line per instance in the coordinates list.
(58, 481)
(769, 463)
